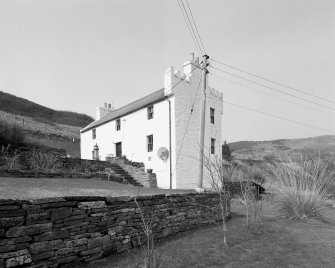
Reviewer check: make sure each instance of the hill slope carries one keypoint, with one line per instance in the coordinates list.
(267, 150)
(19, 106)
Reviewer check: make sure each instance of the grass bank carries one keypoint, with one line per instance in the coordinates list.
(275, 243)
(35, 188)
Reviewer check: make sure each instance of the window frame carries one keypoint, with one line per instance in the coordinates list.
(150, 112)
(213, 145)
(150, 143)
(212, 115)
(94, 133)
(118, 124)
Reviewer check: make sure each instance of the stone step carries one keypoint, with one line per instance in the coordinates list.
(125, 175)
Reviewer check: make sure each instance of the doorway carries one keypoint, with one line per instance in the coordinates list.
(118, 149)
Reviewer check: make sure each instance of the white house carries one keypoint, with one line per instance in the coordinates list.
(162, 130)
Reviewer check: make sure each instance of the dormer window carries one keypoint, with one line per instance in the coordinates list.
(118, 124)
(150, 112)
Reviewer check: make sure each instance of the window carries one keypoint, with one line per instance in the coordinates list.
(212, 113)
(150, 112)
(150, 143)
(212, 146)
(118, 124)
(94, 134)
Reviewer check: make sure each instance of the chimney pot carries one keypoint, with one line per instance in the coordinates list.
(192, 57)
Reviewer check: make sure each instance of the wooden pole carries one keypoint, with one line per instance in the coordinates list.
(203, 119)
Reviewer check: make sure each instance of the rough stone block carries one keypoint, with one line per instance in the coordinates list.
(20, 260)
(38, 247)
(10, 222)
(15, 241)
(61, 213)
(7, 255)
(8, 248)
(91, 251)
(98, 241)
(43, 215)
(60, 204)
(29, 207)
(92, 204)
(9, 207)
(66, 259)
(76, 217)
(29, 230)
(78, 242)
(43, 255)
(64, 251)
(57, 234)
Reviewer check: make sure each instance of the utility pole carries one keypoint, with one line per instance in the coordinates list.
(202, 127)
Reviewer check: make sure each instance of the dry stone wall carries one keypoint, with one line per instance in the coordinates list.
(58, 231)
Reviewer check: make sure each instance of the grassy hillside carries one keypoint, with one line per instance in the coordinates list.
(268, 150)
(19, 106)
(50, 135)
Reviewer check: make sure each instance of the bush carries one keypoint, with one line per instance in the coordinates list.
(11, 133)
(9, 161)
(41, 161)
(302, 186)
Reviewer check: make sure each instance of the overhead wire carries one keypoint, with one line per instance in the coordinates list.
(274, 116)
(274, 96)
(181, 80)
(195, 25)
(189, 26)
(187, 124)
(272, 88)
(274, 82)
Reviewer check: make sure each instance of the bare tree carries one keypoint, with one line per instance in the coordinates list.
(249, 193)
(219, 175)
(149, 254)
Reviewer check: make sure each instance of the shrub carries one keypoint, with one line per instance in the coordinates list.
(11, 133)
(302, 186)
(9, 161)
(41, 161)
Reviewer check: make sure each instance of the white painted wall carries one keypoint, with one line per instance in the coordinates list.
(183, 90)
(188, 91)
(135, 128)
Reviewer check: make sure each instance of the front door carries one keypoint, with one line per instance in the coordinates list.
(118, 149)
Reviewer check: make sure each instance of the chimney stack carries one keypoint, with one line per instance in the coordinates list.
(102, 111)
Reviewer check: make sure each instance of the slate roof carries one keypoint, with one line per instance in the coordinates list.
(150, 99)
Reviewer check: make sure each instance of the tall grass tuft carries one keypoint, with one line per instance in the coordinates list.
(302, 185)
(41, 161)
(11, 133)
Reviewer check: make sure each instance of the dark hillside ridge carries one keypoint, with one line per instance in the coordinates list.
(265, 150)
(19, 106)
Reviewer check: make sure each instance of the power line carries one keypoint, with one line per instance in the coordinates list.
(181, 80)
(279, 84)
(274, 96)
(275, 89)
(189, 26)
(188, 122)
(275, 116)
(195, 25)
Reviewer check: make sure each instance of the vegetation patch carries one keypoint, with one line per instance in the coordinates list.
(274, 243)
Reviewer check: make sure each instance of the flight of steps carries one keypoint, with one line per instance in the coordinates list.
(125, 175)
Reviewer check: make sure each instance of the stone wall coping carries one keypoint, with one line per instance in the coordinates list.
(97, 198)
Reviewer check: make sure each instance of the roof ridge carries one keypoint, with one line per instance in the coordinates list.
(136, 105)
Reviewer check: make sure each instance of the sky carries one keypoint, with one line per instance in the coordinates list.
(75, 55)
